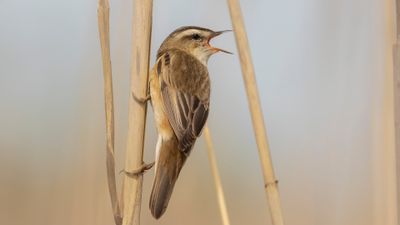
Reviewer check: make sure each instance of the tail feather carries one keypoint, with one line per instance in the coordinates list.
(169, 164)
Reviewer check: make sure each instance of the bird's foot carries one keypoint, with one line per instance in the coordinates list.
(140, 171)
(141, 100)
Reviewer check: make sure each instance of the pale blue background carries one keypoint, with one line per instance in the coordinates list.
(324, 75)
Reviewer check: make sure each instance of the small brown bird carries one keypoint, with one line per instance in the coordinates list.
(180, 96)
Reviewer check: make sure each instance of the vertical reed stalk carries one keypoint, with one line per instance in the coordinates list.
(103, 15)
(140, 54)
(217, 179)
(270, 182)
(396, 82)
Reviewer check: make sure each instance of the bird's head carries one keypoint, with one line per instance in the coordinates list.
(193, 40)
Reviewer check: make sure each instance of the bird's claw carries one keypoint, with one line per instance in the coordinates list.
(141, 100)
(140, 171)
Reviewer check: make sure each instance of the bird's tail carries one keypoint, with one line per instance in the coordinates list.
(169, 163)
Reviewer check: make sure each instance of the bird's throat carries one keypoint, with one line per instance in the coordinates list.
(202, 55)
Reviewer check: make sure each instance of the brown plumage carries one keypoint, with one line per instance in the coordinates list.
(180, 94)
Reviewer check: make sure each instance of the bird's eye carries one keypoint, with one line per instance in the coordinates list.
(196, 37)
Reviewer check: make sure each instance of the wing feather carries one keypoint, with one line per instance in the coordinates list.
(185, 89)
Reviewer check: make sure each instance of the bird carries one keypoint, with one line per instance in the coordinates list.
(179, 87)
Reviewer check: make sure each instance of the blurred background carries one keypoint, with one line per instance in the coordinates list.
(324, 70)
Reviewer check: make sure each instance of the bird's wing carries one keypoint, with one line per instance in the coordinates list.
(185, 90)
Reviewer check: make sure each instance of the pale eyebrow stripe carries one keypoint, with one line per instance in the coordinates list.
(186, 32)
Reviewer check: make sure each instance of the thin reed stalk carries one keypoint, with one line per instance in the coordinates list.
(140, 54)
(217, 179)
(103, 15)
(396, 83)
(270, 182)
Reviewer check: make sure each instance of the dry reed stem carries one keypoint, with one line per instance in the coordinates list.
(140, 54)
(271, 187)
(217, 178)
(396, 83)
(103, 15)
(397, 18)
(396, 89)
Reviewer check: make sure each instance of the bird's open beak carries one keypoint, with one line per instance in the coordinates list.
(213, 35)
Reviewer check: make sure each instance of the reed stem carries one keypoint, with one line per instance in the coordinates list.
(217, 179)
(103, 16)
(140, 54)
(270, 182)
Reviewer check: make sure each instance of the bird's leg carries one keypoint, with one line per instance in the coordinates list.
(139, 99)
(143, 168)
